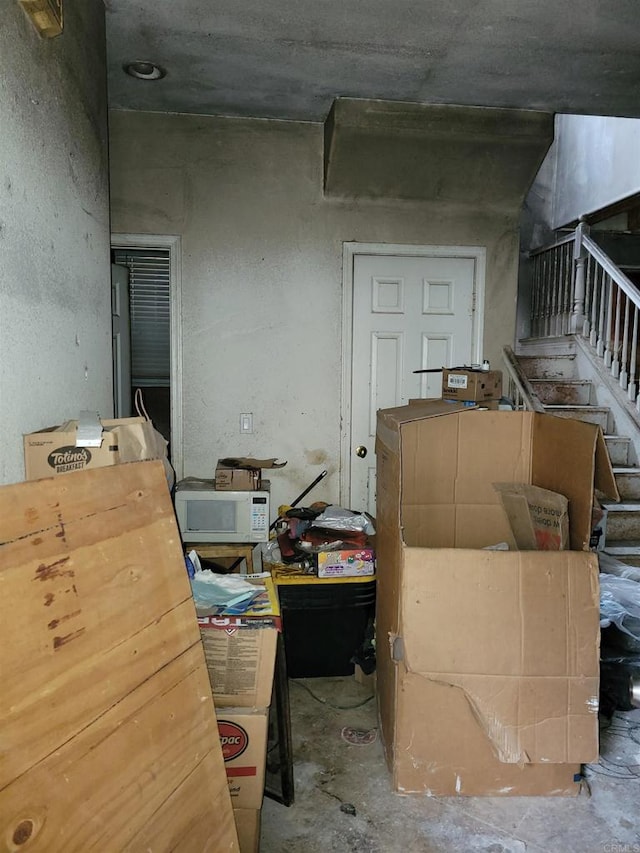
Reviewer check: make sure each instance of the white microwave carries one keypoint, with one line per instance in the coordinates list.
(206, 514)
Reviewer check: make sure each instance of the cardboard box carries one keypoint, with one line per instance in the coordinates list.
(539, 519)
(243, 737)
(240, 662)
(238, 479)
(471, 385)
(346, 564)
(53, 450)
(241, 650)
(488, 661)
(248, 829)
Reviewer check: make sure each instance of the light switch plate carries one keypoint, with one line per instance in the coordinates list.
(246, 422)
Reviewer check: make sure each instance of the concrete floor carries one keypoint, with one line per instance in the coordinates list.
(331, 772)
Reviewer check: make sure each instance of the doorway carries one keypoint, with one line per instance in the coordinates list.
(150, 267)
(405, 308)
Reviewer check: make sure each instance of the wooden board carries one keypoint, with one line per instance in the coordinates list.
(108, 735)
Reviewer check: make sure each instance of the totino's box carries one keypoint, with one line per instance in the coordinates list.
(472, 385)
(54, 450)
(487, 661)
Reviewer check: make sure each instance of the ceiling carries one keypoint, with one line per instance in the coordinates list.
(289, 59)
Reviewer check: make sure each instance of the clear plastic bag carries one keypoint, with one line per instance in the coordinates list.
(620, 604)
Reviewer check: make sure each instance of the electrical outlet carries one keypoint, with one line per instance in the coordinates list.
(246, 422)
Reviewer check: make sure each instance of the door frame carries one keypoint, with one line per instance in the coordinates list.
(173, 242)
(349, 252)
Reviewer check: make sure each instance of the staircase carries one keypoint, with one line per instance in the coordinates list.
(563, 376)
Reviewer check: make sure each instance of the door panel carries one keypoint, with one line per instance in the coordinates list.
(409, 313)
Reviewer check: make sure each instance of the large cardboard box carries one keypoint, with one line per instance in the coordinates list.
(243, 737)
(487, 661)
(472, 385)
(248, 829)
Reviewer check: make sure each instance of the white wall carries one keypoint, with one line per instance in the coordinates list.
(262, 274)
(55, 334)
(596, 162)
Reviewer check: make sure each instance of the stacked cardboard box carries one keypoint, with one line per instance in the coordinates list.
(468, 385)
(487, 668)
(243, 474)
(240, 652)
(238, 479)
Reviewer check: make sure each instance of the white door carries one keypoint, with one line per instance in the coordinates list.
(409, 313)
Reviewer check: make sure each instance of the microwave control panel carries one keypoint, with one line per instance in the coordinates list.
(260, 516)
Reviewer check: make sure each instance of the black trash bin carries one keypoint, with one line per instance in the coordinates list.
(325, 624)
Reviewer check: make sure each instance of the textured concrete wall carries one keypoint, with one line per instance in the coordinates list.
(55, 333)
(593, 163)
(262, 277)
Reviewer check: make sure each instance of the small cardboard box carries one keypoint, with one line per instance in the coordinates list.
(487, 680)
(471, 385)
(238, 479)
(55, 450)
(346, 564)
(241, 650)
(248, 829)
(539, 519)
(243, 738)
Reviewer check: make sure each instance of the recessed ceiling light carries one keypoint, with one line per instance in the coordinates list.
(144, 70)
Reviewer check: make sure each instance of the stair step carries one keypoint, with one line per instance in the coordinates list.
(632, 559)
(627, 548)
(590, 414)
(548, 366)
(628, 482)
(562, 392)
(623, 522)
(618, 447)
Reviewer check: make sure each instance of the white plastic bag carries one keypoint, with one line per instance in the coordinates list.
(620, 604)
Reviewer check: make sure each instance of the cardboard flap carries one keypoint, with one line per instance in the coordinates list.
(605, 480)
(532, 720)
(518, 633)
(389, 421)
(564, 451)
(250, 464)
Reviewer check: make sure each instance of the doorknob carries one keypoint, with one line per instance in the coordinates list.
(361, 451)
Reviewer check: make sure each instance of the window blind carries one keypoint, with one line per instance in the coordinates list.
(149, 306)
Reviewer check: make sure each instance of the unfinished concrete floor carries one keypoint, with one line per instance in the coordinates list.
(332, 774)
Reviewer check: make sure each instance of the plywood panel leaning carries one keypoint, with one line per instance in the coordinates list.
(108, 731)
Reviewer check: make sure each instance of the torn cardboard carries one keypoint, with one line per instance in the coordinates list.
(539, 518)
(243, 473)
(488, 683)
